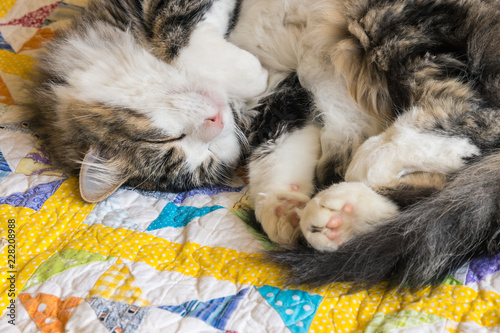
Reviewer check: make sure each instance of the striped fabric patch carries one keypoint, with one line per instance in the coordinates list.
(181, 197)
(4, 167)
(4, 45)
(216, 312)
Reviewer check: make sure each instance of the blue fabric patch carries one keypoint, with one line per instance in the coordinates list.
(216, 312)
(110, 212)
(4, 166)
(4, 45)
(482, 267)
(34, 198)
(297, 308)
(152, 194)
(178, 217)
(119, 317)
(181, 197)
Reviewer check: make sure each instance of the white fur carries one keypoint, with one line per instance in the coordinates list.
(345, 125)
(403, 149)
(136, 79)
(210, 57)
(369, 208)
(278, 30)
(291, 163)
(220, 14)
(276, 44)
(283, 41)
(177, 97)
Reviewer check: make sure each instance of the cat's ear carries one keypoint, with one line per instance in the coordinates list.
(99, 178)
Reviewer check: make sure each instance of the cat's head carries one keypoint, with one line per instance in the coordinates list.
(121, 116)
(189, 142)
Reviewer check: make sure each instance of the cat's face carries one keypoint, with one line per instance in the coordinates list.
(189, 142)
(139, 121)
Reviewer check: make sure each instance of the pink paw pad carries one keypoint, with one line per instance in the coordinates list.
(333, 225)
(288, 208)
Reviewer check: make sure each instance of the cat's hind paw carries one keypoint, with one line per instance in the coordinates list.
(279, 216)
(342, 211)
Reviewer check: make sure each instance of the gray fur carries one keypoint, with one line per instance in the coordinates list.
(442, 57)
(127, 145)
(420, 245)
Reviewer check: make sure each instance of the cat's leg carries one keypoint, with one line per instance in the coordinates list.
(406, 148)
(285, 151)
(332, 216)
(281, 174)
(405, 157)
(211, 58)
(342, 210)
(345, 125)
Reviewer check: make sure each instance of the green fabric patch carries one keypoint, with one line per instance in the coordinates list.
(244, 211)
(382, 323)
(452, 281)
(61, 262)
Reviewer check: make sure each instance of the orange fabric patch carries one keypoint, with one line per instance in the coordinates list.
(36, 41)
(5, 96)
(49, 313)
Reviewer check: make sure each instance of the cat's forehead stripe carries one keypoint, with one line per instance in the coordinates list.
(172, 23)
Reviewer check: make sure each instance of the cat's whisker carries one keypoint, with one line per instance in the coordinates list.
(84, 116)
(242, 138)
(159, 166)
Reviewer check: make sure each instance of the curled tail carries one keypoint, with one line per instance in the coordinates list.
(421, 244)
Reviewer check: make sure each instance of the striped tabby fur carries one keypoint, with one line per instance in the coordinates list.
(394, 102)
(431, 69)
(118, 96)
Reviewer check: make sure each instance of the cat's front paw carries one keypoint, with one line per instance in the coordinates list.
(246, 78)
(341, 212)
(279, 215)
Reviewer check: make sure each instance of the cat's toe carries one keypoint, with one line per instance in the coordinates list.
(326, 227)
(287, 210)
(337, 214)
(279, 216)
(332, 228)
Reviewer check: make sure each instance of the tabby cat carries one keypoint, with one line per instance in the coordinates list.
(141, 93)
(375, 136)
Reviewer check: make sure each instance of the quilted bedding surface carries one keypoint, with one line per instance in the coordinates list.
(164, 262)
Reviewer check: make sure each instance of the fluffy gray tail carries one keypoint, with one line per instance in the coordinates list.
(420, 245)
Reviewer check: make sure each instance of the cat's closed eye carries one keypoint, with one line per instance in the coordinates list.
(165, 140)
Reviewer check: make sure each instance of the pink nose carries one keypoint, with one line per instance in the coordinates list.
(215, 121)
(211, 127)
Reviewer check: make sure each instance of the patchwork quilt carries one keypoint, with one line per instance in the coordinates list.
(169, 262)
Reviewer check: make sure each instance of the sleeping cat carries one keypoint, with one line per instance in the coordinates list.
(145, 93)
(393, 102)
(413, 155)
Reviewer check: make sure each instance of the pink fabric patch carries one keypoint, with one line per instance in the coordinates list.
(33, 19)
